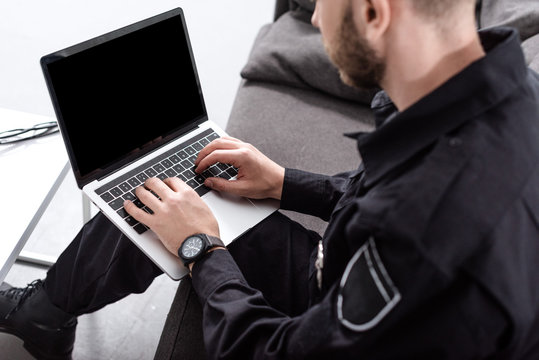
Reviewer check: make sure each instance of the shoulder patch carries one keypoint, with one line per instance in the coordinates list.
(366, 293)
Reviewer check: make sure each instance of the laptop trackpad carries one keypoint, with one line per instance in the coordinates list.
(234, 214)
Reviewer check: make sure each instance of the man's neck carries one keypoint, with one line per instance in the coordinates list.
(426, 60)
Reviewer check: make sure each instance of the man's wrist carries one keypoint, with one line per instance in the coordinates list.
(278, 192)
(207, 252)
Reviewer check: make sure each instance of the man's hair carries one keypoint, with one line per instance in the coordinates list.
(437, 9)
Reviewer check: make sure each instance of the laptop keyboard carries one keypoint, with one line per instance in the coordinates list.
(178, 162)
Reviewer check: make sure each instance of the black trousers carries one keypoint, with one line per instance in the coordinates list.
(101, 266)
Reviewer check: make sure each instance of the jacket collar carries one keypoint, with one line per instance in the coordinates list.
(479, 87)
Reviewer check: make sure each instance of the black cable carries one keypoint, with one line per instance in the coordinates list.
(39, 130)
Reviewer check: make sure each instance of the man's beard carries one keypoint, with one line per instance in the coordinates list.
(358, 64)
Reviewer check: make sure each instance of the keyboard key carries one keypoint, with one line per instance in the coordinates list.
(232, 172)
(178, 168)
(204, 142)
(175, 159)
(140, 229)
(148, 210)
(225, 175)
(212, 137)
(189, 174)
(167, 163)
(133, 182)
(129, 196)
(131, 221)
(193, 159)
(206, 174)
(125, 187)
(182, 155)
(116, 204)
(171, 173)
(116, 192)
(215, 170)
(181, 177)
(222, 166)
(122, 213)
(192, 183)
(150, 172)
(107, 197)
(142, 177)
(199, 179)
(202, 190)
(138, 204)
(162, 176)
(159, 168)
(197, 146)
(189, 150)
(187, 164)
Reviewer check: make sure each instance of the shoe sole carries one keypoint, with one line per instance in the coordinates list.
(33, 349)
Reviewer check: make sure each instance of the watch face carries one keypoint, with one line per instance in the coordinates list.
(192, 247)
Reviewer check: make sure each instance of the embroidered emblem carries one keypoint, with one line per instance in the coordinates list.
(366, 293)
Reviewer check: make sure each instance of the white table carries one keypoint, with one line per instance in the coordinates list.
(30, 174)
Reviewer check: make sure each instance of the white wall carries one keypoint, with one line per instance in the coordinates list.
(221, 32)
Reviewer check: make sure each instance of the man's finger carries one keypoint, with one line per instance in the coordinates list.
(175, 184)
(139, 214)
(235, 187)
(158, 187)
(232, 157)
(231, 139)
(147, 198)
(217, 144)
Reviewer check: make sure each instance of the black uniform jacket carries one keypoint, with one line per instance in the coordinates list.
(432, 247)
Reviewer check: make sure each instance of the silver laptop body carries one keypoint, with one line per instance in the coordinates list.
(129, 106)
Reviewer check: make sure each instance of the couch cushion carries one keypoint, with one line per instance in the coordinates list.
(299, 128)
(521, 14)
(531, 52)
(290, 52)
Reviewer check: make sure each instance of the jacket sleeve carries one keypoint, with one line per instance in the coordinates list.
(312, 194)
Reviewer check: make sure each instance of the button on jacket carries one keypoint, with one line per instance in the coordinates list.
(432, 246)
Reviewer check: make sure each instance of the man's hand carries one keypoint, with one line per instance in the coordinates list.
(178, 214)
(258, 176)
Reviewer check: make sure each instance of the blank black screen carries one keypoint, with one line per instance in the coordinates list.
(126, 94)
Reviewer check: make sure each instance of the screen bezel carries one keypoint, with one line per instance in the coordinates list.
(117, 164)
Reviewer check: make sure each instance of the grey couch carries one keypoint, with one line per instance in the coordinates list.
(292, 105)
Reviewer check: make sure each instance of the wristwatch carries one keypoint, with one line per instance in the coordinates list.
(196, 246)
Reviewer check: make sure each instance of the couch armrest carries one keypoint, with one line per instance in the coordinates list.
(182, 334)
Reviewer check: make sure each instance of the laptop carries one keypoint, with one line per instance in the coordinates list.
(129, 106)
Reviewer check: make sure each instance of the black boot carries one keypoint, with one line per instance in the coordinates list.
(47, 331)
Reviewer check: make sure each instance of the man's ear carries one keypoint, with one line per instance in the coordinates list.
(374, 18)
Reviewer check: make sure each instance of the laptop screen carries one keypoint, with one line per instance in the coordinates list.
(125, 93)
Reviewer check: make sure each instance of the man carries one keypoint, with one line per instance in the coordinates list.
(432, 247)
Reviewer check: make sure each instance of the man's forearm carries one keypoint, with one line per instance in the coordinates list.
(312, 194)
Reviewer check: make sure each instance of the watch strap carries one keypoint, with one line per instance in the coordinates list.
(213, 241)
